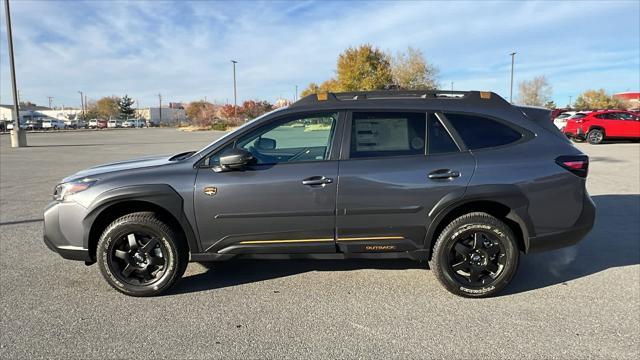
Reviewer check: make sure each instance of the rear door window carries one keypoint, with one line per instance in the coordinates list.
(380, 134)
(438, 139)
(479, 132)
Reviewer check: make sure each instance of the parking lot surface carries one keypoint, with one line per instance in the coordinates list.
(578, 302)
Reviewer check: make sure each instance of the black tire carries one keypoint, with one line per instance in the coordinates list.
(145, 265)
(577, 140)
(595, 136)
(465, 270)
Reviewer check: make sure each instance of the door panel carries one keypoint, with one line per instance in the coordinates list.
(267, 206)
(387, 185)
(284, 200)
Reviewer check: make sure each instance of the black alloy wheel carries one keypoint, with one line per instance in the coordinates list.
(138, 258)
(477, 258)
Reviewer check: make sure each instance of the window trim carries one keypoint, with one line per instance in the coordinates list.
(345, 153)
(526, 134)
(334, 144)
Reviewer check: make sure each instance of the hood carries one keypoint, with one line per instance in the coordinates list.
(138, 163)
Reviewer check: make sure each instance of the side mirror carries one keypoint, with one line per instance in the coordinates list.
(233, 159)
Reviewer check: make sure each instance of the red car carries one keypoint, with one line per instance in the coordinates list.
(606, 124)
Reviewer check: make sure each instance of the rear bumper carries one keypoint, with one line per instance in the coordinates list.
(577, 232)
(63, 230)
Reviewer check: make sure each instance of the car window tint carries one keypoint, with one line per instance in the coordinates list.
(479, 132)
(387, 134)
(438, 139)
(293, 139)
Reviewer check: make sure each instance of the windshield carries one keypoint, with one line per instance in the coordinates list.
(204, 150)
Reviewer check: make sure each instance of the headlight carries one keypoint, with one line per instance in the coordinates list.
(69, 188)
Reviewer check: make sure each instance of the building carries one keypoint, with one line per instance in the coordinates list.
(630, 97)
(37, 113)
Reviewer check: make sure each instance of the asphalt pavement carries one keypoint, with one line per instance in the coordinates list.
(579, 302)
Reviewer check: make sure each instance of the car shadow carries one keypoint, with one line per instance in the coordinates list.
(613, 242)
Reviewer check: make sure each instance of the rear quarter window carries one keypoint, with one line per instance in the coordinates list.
(479, 132)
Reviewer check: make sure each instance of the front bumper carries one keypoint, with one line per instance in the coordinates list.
(577, 232)
(63, 231)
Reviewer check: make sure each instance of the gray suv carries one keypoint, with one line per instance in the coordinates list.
(462, 180)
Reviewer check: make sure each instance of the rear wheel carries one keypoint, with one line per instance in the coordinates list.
(595, 136)
(140, 255)
(475, 256)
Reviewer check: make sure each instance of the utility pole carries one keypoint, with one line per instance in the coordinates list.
(50, 98)
(513, 55)
(82, 103)
(235, 97)
(18, 137)
(160, 108)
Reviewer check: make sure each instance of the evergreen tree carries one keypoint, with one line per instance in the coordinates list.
(125, 108)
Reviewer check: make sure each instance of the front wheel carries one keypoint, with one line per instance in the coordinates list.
(140, 255)
(595, 136)
(475, 256)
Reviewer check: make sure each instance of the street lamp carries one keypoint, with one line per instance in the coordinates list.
(82, 103)
(235, 97)
(18, 138)
(513, 55)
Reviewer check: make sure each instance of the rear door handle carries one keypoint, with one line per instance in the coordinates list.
(443, 174)
(317, 180)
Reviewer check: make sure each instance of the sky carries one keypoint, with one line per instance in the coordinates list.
(182, 50)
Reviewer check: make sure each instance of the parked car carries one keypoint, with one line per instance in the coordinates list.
(114, 123)
(597, 126)
(53, 124)
(133, 123)
(465, 182)
(561, 120)
(75, 124)
(97, 124)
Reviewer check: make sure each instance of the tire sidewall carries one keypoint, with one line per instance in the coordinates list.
(123, 228)
(449, 238)
(594, 131)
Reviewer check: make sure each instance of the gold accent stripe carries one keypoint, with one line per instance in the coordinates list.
(283, 241)
(372, 238)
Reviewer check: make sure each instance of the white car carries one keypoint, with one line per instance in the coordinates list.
(114, 123)
(133, 123)
(53, 124)
(561, 120)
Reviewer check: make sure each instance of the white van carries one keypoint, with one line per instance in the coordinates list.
(53, 124)
(114, 124)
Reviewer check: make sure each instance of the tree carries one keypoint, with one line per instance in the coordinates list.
(228, 113)
(410, 71)
(363, 68)
(252, 109)
(550, 105)
(597, 99)
(535, 92)
(124, 107)
(201, 113)
(330, 85)
(107, 107)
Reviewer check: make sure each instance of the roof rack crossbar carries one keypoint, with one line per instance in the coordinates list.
(388, 95)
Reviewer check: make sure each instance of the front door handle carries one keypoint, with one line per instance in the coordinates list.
(442, 174)
(317, 180)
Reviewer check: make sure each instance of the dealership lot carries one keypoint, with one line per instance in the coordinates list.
(578, 302)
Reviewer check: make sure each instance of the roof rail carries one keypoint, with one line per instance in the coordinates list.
(328, 97)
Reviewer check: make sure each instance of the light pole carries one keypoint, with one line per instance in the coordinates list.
(452, 86)
(160, 108)
(569, 101)
(513, 56)
(235, 97)
(82, 103)
(18, 138)
(295, 98)
(50, 98)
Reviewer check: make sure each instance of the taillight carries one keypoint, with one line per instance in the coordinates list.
(577, 164)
